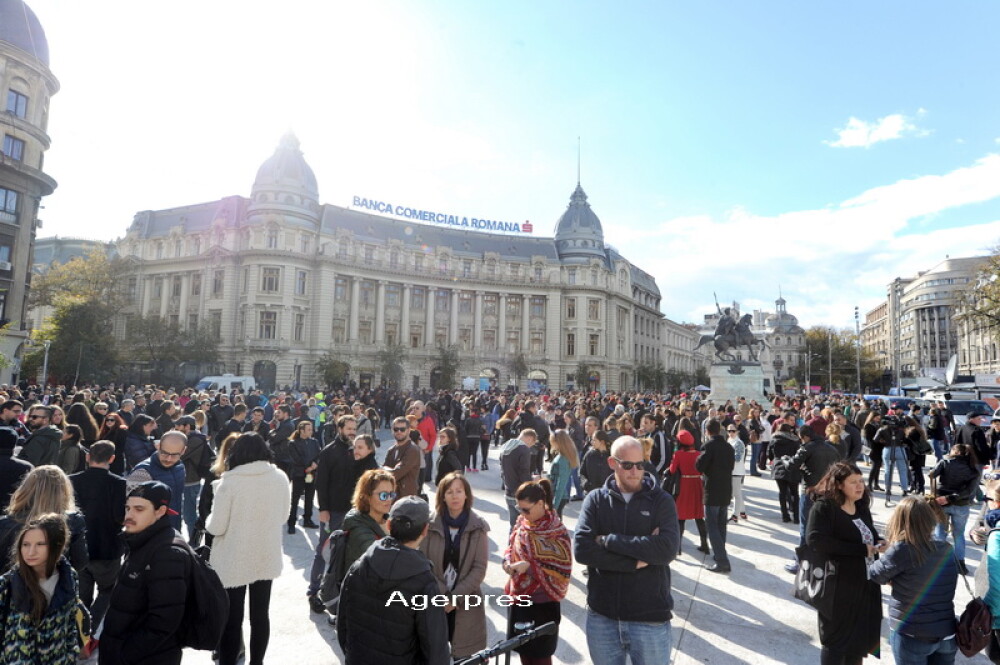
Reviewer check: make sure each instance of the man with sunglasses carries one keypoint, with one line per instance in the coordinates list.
(627, 536)
(42, 445)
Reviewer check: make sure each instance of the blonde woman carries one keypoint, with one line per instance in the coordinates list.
(46, 489)
(207, 497)
(564, 461)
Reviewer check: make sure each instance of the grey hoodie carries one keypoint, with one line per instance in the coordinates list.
(515, 465)
(42, 447)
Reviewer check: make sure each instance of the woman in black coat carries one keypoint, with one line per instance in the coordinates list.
(594, 468)
(783, 447)
(840, 529)
(448, 459)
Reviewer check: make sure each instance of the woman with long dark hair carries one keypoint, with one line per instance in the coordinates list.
(922, 573)
(115, 430)
(539, 560)
(252, 500)
(457, 543)
(139, 441)
(40, 595)
(919, 447)
(871, 428)
(841, 529)
(364, 454)
(954, 482)
(448, 454)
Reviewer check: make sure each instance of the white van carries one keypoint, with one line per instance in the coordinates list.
(227, 383)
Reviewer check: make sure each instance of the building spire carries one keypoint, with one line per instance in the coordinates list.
(577, 161)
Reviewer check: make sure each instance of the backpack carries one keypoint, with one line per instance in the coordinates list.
(334, 552)
(207, 605)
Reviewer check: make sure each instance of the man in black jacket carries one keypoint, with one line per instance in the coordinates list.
(284, 427)
(100, 495)
(386, 611)
(627, 546)
(716, 463)
(147, 604)
(974, 436)
(12, 469)
(529, 419)
(813, 459)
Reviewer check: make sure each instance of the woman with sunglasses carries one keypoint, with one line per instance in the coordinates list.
(115, 430)
(365, 522)
(539, 560)
(457, 543)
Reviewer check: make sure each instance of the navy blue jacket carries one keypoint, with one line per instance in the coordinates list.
(615, 588)
(173, 477)
(923, 593)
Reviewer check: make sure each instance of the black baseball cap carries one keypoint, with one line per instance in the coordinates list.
(156, 493)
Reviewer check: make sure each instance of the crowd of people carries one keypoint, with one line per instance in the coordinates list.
(107, 491)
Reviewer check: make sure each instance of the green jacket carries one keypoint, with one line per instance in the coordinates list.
(363, 532)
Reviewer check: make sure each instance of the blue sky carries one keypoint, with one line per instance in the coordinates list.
(729, 147)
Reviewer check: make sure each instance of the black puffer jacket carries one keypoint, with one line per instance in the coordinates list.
(784, 445)
(408, 630)
(956, 479)
(147, 604)
(716, 463)
(814, 458)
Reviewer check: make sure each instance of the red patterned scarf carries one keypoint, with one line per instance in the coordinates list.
(546, 546)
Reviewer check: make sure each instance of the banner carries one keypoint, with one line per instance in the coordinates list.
(445, 219)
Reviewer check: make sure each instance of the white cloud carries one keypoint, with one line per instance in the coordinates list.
(860, 134)
(826, 260)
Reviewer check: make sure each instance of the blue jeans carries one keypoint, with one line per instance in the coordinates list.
(754, 456)
(190, 506)
(940, 448)
(902, 465)
(805, 505)
(610, 641)
(574, 478)
(958, 516)
(319, 564)
(715, 519)
(512, 509)
(911, 651)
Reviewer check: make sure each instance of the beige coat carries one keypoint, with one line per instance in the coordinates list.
(470, 625)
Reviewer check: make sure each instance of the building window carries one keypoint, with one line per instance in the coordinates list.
(418, 262)
(17, 103)
(513, 341)
(367, 293)
(218, 282)
(215, 323)
(440, 337)
(491, 269)
(490, 304)
(369, 256)
(268, 325)
(196, 284)
(418, 297)
(8, 205)
(537, 342)
(443, 265)
(538, 306)
(196, 246)
(394, 259)
(299, 327)
(339, 331)
(570, 344)
(490, 340)
(465, 338)
(593, 309)
(391, 334)
(416, 336)
(131, 289)
(571, 308)
(270, 279)
(192, 322)
(300, 282)
(515, 271)
(593, 278)
(595, 342)
(571, 276)
(514, 305)
(272, 240)
(158, 287)
(158, 250)
(538, 273)
(340, 289)
(441, 300)
(466, 268)
(13, 148)
(342, 250)
(304, 244)
(465, 303)
(392, 295)
(178, 249)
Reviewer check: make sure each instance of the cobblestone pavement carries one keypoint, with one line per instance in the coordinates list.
(747, 616)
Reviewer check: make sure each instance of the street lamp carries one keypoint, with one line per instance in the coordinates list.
(45, 364)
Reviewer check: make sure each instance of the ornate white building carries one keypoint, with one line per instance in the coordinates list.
(28, 83)
(280, 279)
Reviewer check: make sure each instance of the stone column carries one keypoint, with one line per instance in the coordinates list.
(453, 332)
(429, 302)
(477, 332)
(404, 323)
(502, 323)
(380, 313)
(185, 292)
(352, 335)
(525, 321)
(166, 287)
(147, 294)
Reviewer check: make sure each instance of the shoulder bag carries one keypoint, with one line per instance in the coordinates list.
(816, 580)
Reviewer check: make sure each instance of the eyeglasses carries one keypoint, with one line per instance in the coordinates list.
(386, 496)
(170, 455)
(731, 431)
(400, 429)
(528, 509)
(627, 466)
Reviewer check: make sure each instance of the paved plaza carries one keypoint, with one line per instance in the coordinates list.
(747, 616)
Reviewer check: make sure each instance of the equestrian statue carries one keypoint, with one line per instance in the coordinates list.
(731, 333)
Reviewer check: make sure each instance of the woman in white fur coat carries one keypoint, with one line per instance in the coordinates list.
(252, 500)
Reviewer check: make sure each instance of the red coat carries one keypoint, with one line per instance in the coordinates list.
(690, 501)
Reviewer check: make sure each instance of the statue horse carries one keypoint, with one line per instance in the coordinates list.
(740, 337)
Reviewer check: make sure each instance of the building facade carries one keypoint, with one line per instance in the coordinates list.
(280, 279)
(28, 85)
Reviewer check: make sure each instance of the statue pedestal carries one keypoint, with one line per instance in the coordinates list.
(731, 381)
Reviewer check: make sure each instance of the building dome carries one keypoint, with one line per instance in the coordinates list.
(286, 171)
(20, 27)
(579, 233)
(781, 321)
